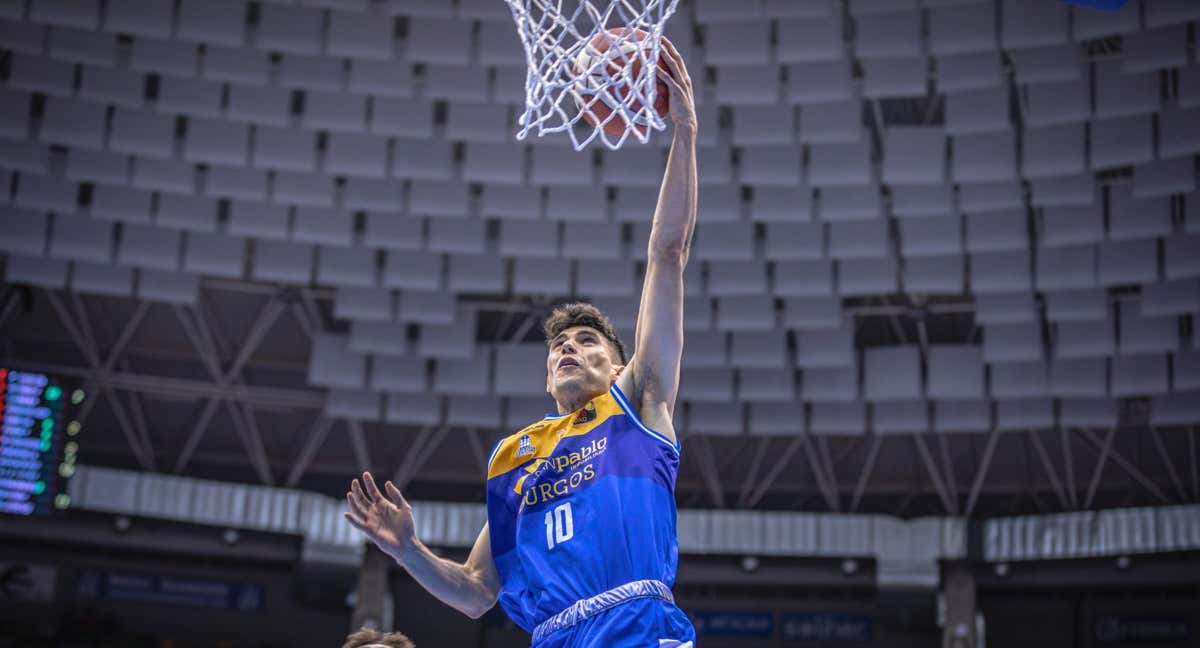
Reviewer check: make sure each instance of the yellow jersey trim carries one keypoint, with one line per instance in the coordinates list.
(544, 435)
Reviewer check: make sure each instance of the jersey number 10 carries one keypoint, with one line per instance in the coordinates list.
(560, 525)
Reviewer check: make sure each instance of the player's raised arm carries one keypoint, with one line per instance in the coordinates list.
(470, 588)
(659, 336)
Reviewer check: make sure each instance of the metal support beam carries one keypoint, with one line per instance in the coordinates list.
(477, 450)
(1105, 449)
(935, 475)
(1128, 467)
(708, 471)
(774, 472)
(263, 322)
(1155, 435)
(1051, 471)
(948, 467)
(865, 476)
(420, 456)
(312, 445)
(814, 464)
(828, 468)
(10, 305)
(989, 450)
(247, 430)
(184, 388)
(201, 335)
(358, 443)
(1069, 464)
(1194, 460)
(760, 451)
(193, 439)
(87, 346)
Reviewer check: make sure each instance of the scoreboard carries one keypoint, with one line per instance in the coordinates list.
(37, 450)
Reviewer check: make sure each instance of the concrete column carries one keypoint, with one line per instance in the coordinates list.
(958, 590)
(371, 607)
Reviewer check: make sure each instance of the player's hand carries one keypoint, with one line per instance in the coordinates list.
(679, 84)
(387, 520)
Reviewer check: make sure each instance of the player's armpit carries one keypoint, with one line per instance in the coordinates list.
(483, 567)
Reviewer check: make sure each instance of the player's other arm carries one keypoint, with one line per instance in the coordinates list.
(655, 369)
(470, 588)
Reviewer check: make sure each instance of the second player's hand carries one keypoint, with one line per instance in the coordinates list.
(386, 519)
(679, 84)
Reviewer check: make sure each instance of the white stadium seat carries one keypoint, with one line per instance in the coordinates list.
(759, 385)
(1018, 379)
(955, 371)
(1025, 414)
(343, 266)
(1176, 297)
(282, 261)
(776, 419)
(149, 247)
(816, 38)
(1077, 305)
(914, 155)
(1079, 377)
(900, 417)
(214, 255)
(1012, 342)
(1005, 308)
(1084, 339)
(895, 77)
(962, 416)
(1140, 334)
(390, 373)
(838, 419)
(887, 35)
(977, 111)
(825, 348)
(358, 35)
(1139, 375)
(934, 274)
(802, 278)
(966, 28)
(364, 304)
(892, 373)
(819, 82)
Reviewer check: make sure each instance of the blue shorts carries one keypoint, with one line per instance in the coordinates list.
(637, 614)
(639, 623)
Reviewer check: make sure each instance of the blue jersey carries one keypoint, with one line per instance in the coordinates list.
(579, 504)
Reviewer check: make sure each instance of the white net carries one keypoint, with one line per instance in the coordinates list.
(591, 68)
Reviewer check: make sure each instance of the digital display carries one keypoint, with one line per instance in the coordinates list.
(37, 451)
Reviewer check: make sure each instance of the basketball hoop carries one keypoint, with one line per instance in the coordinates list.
(572, 85)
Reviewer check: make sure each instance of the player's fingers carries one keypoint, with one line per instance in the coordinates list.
(668, 55)
(394, 494)
(357, 503)
(354, 522)
(357, 489)
(372, 489)
(674, 86)
(677, 58)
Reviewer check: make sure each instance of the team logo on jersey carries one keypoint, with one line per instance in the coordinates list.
(586, 415)
(525, 446)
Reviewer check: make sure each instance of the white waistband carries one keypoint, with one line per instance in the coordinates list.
(593, 605)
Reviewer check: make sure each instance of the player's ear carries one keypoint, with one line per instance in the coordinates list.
(616, 371)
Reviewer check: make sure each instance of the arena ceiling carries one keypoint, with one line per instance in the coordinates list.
(946, 258)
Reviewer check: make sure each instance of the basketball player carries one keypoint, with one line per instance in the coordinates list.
(580, 546)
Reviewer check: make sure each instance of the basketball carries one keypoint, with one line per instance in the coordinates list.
(595, 105)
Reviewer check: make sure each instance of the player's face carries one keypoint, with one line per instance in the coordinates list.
(580, 362)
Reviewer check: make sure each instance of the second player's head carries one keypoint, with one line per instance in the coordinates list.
(584, 353)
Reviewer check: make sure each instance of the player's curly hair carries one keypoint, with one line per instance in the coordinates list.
(365, 637)
(582, 314)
